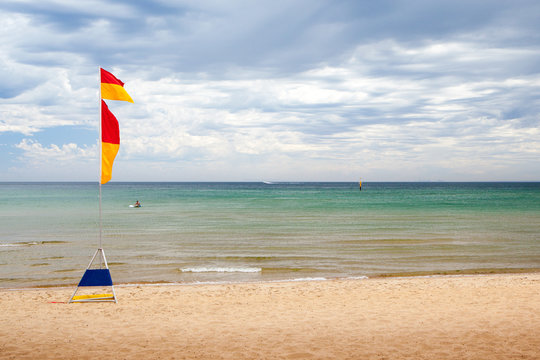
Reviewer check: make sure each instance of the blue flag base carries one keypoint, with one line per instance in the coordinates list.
(97, 278)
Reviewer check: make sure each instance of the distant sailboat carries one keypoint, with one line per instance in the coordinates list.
(360, 185)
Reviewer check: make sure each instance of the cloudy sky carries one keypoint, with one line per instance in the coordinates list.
(296, 90)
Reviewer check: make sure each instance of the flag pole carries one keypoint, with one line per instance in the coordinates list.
(100, 162)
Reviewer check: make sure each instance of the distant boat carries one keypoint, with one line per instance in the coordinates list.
(360, 185)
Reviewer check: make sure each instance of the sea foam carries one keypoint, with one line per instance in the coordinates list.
(205, 269)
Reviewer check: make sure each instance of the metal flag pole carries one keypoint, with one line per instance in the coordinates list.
(100, 165)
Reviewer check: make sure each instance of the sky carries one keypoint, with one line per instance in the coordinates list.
(295, 90)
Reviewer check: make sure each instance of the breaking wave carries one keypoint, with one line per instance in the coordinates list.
(210, 269)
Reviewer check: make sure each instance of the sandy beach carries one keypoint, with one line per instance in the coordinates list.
(447, 317)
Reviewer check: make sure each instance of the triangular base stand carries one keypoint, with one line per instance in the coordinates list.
(98, 280)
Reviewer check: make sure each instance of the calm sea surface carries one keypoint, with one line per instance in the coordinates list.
(214, 232)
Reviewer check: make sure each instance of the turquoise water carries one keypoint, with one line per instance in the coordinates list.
(213, 232)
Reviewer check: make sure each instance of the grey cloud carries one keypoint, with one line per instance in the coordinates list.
(408, 80)
(284, 36)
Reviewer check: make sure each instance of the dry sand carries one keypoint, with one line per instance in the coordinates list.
(454, 317)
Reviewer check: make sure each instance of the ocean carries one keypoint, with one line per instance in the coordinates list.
(236, 232)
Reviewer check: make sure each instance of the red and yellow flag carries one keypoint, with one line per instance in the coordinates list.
(112, 88)
(110, 141)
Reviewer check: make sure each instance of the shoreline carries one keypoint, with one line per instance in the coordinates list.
(415, 274)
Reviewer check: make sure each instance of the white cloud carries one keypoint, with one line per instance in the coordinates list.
(67, 153)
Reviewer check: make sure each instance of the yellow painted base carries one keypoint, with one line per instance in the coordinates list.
(96, 296)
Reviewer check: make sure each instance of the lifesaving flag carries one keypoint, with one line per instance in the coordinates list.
(113, 88)
(110, 141)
